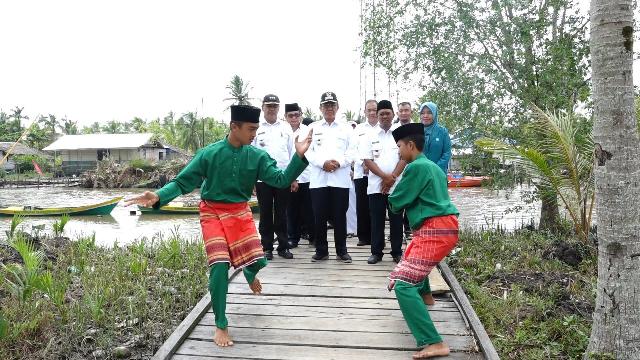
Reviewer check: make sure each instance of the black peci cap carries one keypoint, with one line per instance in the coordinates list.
(245, 113)
(407, 130)
(291, 107)
(384, 104)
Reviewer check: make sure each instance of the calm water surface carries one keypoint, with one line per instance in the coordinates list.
(479, 208)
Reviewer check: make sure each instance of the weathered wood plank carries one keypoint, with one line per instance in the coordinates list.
(304, 290)
(388, 325)
(332, 312)
(442, 303)
(351, 339)
(483, 338)
(273, 352)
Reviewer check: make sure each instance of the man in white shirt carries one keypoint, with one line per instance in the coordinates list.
(330, 156)
(404, 114)
(299, 211)
(361, 173)
(276, 138)
(385, 166)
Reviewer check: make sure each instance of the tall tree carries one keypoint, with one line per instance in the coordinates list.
(615, 331)
(113, 127)
(69, 127)
(484, 61)
(190, 136)
(50, 124)
(138, 125)
(238, 91)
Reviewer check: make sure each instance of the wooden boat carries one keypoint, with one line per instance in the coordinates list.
(103, 208)
(465, 181)
(178, 208)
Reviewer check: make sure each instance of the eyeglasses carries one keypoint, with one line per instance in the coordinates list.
(329, 105)
(293, 115)
(272, 106)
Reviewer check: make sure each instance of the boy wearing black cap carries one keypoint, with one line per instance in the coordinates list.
(380, 155)
(422, 191)
(226, 172)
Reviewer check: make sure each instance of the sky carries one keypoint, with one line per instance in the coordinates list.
(94, 61)
(114, 60)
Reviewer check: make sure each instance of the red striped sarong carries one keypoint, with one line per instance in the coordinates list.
(229, 233)
(431, 243)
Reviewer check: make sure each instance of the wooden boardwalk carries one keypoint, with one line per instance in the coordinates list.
(326, 310)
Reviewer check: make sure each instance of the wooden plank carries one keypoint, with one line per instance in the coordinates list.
(326, 291)
(332, 312)
(184, 328)
(388, 325)
(442, 303)
(274, 352)
(486, 346)
(351, 339)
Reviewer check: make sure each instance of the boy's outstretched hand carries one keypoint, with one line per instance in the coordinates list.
(146, 199)
(303, 146)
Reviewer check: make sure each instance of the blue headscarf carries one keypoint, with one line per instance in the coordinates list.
(434, 110)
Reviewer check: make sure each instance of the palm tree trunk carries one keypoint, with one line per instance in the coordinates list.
(549, 214)
(616, 320)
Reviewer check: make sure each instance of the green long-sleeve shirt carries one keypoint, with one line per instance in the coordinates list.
(423, 192)
(227, 174)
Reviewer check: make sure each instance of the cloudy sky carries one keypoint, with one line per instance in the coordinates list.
(113, 60)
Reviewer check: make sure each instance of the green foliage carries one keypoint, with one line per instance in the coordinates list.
(25, 162)
(533, 305)
(15, 222)
(142, 164)
(238, 91)
(559, 159)
(21, 280)
(4, 326)
(483, 62)
(58, 226)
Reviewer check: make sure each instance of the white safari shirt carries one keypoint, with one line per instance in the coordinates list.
(277, 140)
(361, 133)
(331, 142)
(302, 133)
(383, 150)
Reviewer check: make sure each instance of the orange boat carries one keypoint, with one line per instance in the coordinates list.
(465, 181)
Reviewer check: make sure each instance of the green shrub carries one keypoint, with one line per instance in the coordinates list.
(142, 164)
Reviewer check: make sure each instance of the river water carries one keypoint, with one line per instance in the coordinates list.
(479, 208)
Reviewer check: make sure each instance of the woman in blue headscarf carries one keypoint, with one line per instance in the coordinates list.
(437, 144)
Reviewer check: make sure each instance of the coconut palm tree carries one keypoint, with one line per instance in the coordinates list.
(559, 160)
(190, 136)
(238, 91)
(69, 127)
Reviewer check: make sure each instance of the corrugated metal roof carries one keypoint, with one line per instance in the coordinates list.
(100, 141)
(19, 149)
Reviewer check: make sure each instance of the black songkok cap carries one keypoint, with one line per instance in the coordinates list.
(384, 104)
(291, 107)
(270, 99)
(245, 113)
(328, 97)
(307, 121)
(406, 130)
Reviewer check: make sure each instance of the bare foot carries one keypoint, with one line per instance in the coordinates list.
(256, 286)
(222, 338)
(433, 350)
(428, 299)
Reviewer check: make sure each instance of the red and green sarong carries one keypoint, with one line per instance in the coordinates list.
(431, 243)
(229, 233)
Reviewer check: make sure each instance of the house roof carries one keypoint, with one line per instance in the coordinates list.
(19, 149)
(101, 141)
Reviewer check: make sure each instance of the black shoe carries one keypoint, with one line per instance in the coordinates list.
(318, 257)
(285, 254)
(363, 243)
(293, 244)
(346, 258)
(397, 259)
(373, 259)
(268, 254)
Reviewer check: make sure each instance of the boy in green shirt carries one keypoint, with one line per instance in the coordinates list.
(226, 172)
(422, 192)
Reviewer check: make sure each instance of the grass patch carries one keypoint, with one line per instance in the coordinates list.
(534, 292)
(88, 301)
